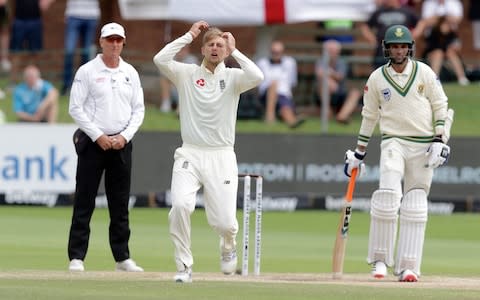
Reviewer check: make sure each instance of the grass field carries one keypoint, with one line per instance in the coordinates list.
(296, 250)
(296, 253)
(464, 100)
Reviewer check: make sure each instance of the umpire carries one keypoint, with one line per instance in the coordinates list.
(106, 102)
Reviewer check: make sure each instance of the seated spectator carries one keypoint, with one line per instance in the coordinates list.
(35, 99)
(169, 95)
(342, 102)
(474, 16)
(442, 43)
(275, 91)
(26, 33)
(451, 9)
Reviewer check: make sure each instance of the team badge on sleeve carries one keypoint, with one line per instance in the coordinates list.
(365, 89)
(421, 88)
(386, 94)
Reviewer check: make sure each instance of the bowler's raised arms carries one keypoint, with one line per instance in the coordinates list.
(197, 28)
(228, 36)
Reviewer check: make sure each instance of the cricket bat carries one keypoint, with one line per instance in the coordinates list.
(342, 232)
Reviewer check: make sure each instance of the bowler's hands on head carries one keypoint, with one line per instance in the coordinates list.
(197, 28)
(228, 36)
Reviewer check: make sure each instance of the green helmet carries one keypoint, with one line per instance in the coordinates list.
(398, 34)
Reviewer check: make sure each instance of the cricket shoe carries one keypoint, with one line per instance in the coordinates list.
(228, 262)
(128, 265)
(408, 276)
(379, 270)
(184, 276)
(76, 265)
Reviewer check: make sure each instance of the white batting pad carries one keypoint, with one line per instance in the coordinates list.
(383, 226)
(413, 220)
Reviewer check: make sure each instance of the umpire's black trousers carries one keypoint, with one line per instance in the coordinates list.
(92, 163)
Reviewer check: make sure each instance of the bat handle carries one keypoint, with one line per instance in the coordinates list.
(351, 185)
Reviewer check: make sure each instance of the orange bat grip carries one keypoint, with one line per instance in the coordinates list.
(351, 185)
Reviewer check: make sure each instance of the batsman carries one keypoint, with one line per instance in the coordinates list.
(408, 101)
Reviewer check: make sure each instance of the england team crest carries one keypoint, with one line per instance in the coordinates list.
(387, 94)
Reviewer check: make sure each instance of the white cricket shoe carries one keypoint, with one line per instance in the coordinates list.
(76, 265)
(228, 262)
(128, 265)
(184, 276)
(379, 270)
(408, 276)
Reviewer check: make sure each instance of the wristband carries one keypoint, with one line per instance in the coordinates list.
(360, 154)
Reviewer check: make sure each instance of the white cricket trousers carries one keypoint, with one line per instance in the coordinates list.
(404, 160)
(214, 169)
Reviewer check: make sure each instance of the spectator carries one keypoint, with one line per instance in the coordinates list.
(4, 40)
(4, 36)
(81, 20)
(26, 32)
(35, 100)
(388, 13)
(169, 94)
(474, 16)
(441, 43)
(433, 9)
(342, 102)
(275, 91)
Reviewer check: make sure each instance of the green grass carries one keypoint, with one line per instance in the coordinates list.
(34, 239)
(463, 99)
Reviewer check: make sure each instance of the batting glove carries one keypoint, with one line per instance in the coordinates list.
(354, 159)
(437, 155)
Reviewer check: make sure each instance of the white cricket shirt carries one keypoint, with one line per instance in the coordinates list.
(208, 102)
(107, 101)
(411, 105)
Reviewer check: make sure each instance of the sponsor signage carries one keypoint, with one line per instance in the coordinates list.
(38, 161)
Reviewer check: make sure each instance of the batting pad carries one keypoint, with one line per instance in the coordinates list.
(383, 226)
(413, 220)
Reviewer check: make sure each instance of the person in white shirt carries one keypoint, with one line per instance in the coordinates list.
(106, 102)
(208, 103)
(275, 91)
(407, 100)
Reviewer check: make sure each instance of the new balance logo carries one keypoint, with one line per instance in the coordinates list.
(226, 182)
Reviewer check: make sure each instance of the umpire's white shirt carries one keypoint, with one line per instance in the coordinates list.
(107, 101)
(208, 101)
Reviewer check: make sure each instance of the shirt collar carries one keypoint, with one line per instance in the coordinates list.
(220, 67)
(101, 65)
(406, 72)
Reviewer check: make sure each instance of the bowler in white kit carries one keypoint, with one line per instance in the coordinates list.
(407, 100)
(208, 102)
